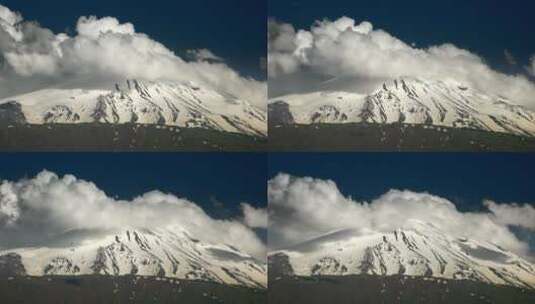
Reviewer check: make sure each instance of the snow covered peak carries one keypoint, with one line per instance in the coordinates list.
(159, 252)
(421, 250)
(145, 87)
(144, 102)
(412, 100)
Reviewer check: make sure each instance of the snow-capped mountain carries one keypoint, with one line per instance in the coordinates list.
(411, 101)
(144, 102)
(422, 250)
(161, 252)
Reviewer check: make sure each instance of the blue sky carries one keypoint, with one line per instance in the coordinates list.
(485, 27)
(233, 29)
(218, 182)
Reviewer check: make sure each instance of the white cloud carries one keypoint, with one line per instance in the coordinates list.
(254, 217)
(93, 27)
(104, 48)
(343, 48)
(304, 208)
(513, 214)
(47, 207)
(7, 21)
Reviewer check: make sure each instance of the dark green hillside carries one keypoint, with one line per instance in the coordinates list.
(122, 137)
(122, 289)
(390, 137)
(368, 289)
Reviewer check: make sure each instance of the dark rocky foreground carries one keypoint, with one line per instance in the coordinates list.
(390, 137)
(121, 137)
(122, 289)
(364, 289)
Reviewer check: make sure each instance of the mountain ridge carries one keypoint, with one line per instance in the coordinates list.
(143, 102)
(407, 100)
(160, 252)
(423, 251)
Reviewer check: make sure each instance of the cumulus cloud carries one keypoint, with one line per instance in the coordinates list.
(48, 207)
(305, 208)
(343, 49)
(254, 217)
(32, 57)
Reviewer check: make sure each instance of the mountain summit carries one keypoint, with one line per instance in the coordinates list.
(423, 250)
(172, 253)
(142, 102)
(411, 101)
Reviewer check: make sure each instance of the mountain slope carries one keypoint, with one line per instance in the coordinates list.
(372, 289)
(420, 251)
(123, 289)
(411, 101)
(162, 252)
(143, 102)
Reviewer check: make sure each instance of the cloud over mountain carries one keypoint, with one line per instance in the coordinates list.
(342, 49)
(47, 207)
(513, 214)
(302, 208)
(254, 217)
(103, 50)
